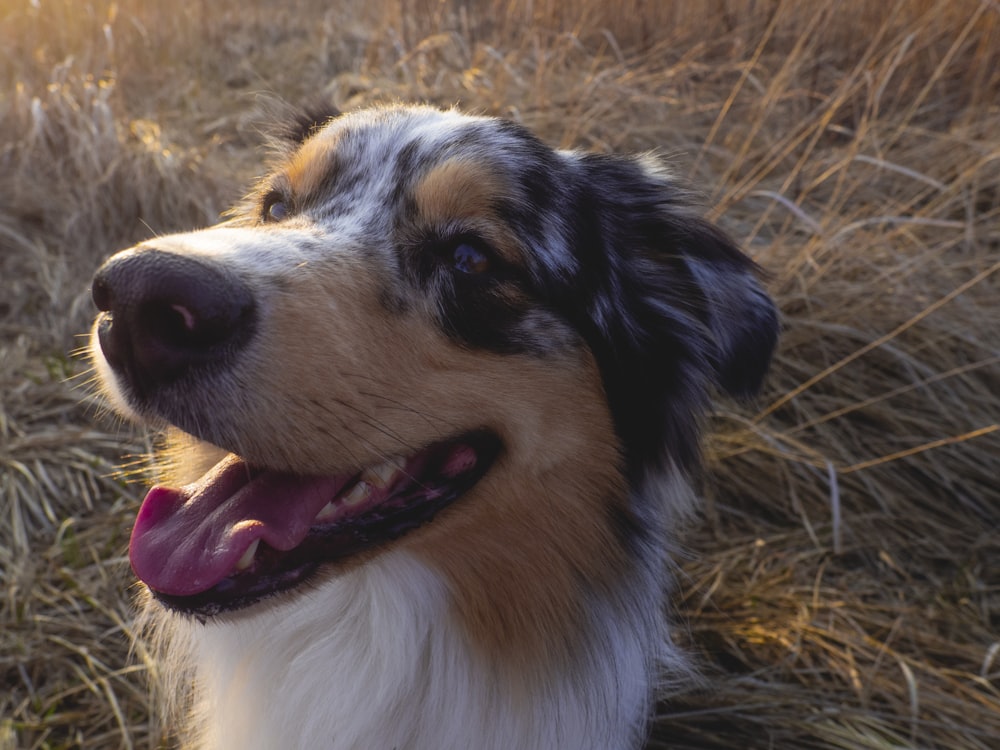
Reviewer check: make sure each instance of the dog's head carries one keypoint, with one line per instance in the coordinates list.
(420, 313)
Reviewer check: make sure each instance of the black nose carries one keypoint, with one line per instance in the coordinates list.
(165, 313)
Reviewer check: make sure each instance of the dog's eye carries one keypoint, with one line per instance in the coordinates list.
(469, 259)
(275, 208)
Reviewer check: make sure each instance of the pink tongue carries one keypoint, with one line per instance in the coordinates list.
(187, 540)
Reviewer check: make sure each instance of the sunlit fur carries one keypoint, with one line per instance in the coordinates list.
(531, 613)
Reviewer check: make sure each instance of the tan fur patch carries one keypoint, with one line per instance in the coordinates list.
(519, 547)
(311, 164)
(467, 191)
(353, 388)
(457, 189)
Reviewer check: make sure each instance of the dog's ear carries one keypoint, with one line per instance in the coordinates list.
(300, 124)
(740, 314)
(675, 307)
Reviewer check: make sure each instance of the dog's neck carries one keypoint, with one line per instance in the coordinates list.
(378, 660)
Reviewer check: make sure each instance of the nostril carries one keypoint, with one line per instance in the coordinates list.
(101, 294)
(183, 326)
(187, 317)
(168, 322)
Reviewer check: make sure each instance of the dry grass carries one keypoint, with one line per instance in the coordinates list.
(843, 586)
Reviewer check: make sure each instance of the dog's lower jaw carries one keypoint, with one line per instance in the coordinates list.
(376, 659)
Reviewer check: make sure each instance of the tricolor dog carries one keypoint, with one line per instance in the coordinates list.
(431, 398)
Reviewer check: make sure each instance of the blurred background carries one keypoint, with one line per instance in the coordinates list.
(841, 588)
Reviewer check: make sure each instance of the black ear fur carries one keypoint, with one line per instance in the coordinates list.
(303, 122)
(741, 315)
(675, 308)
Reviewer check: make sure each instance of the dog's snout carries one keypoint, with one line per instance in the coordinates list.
(163, 312)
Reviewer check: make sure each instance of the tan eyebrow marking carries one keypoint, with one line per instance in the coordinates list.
(467, 191)
(459, 189)
(309, 166)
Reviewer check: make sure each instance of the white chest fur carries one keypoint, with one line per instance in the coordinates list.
(373, 660)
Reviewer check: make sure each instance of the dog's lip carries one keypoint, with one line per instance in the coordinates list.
(190, 544)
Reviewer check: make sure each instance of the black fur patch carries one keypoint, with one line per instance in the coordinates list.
(649, 319)
(299, 125)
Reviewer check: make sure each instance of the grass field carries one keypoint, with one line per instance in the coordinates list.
(842, 586)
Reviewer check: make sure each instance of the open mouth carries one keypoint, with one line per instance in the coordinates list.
(242, 533)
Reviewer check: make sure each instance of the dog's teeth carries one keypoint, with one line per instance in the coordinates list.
(246, 560)
(357, 494)
(384, 474)
(328, 513)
